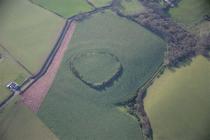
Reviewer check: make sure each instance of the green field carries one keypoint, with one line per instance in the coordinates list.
(130, 7)
(178, 103)
(100, 3)
(18, 123)
(9, 71)
(190, 11)
(73, 110)
(28, 32)
(65, 8)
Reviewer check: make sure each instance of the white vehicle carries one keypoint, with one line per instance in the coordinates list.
(13, 86)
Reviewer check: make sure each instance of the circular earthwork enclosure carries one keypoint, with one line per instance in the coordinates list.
(97, 69)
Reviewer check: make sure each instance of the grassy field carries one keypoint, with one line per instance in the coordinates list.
(28, 32)
(9, 71)
(18, 123)
(178, 103)
(190, 11)
(130, 7)
(99, 3)
(66, 8)
(73, 110)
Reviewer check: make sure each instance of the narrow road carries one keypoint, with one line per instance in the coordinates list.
(35, 94)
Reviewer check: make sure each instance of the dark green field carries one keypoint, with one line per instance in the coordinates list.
(75, 111)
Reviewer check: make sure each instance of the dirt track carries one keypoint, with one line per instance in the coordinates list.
(34, 96)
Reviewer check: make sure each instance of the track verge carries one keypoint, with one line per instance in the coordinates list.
(35, 94)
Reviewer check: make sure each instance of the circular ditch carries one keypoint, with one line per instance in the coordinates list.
(97, 69)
